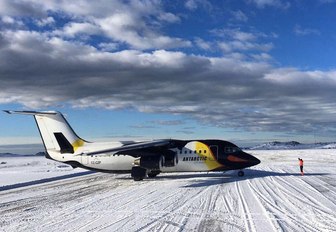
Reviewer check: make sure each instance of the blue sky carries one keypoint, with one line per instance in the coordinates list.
(248, 71)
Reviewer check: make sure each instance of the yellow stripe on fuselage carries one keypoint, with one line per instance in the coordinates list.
(211, 161)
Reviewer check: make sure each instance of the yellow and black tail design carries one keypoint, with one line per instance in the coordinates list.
(56, 133)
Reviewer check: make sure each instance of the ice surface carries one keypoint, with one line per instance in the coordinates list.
(271, 197)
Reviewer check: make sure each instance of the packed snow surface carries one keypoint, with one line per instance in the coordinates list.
(37, 194)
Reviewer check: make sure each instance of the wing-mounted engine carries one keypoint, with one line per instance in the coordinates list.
(171, 159)
(156, 161)
(153, 162)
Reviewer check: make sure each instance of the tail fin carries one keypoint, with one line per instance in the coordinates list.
(57, 135)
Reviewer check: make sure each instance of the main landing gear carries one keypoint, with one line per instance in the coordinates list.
(139, 173)
(241, 173)
(153, 173)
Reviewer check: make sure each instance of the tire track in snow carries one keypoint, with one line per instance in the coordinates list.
(324, 186)
(325, 213)
(119, 197)
(155, 201)
(312, 202)
(56, 198)
(231, 208)
(284, 214)
(246, 212)
(180, 217)
(149, 226)
(262, 212)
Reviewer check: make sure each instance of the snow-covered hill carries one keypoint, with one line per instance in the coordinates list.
(8, 154)
(292, 145)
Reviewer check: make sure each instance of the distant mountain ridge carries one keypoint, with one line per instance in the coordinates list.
(8, 154)
(292, 145)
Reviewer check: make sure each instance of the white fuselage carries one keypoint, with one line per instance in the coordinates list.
(188, 159)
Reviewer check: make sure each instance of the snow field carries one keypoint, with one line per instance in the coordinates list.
(271, 197)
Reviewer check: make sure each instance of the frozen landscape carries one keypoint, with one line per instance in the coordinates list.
(38, 194)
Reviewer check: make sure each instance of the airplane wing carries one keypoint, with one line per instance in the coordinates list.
(136, 147)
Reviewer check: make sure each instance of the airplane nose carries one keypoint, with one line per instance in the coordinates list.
(251, 159)
(244, 159)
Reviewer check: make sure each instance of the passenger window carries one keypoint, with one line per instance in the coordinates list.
(204, 151)
(200, 151)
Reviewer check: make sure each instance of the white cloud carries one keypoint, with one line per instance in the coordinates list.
(239, 16)
(262, 57)
(7, 19)
(191, 5)
(237, 45)
(135, 23)
(45, 21)
(51, 72)
(41, 69)
(298, 30)
(108, 46)
(73, 29)
(205, 45)
(169, 17)
(273, 3)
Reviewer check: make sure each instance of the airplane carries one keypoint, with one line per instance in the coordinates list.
(141, 159)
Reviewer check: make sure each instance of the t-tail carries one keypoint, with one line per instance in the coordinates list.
(57, 135)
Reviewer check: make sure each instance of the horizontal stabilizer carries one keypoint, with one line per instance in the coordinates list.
(31, 112)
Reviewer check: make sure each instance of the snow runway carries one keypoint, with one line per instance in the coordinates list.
(271, 197)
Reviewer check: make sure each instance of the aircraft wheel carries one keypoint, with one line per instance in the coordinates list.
(153, 174)
(241, 173)
(138, 173)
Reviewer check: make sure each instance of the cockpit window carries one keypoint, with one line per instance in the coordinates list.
(231, 149)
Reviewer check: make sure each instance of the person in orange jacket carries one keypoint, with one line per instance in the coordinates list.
(301, 165)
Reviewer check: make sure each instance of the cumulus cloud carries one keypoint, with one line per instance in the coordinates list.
(134, 23)
(233, 40)
(50, 68)
(218, 91)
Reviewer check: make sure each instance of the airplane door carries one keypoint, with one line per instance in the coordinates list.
(214, 150)
(85, 159)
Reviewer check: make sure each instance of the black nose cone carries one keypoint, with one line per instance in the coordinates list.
(250, 159)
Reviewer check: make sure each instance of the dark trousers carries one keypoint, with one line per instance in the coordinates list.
(301, 168)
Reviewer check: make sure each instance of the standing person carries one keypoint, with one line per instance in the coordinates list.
(301, 165)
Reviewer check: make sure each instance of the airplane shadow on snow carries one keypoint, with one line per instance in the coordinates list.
(209, 179)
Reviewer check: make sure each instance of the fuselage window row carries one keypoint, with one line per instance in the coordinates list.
(190, 152)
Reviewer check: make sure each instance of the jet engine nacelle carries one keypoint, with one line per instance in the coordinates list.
(151, 162)
(171, 160)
